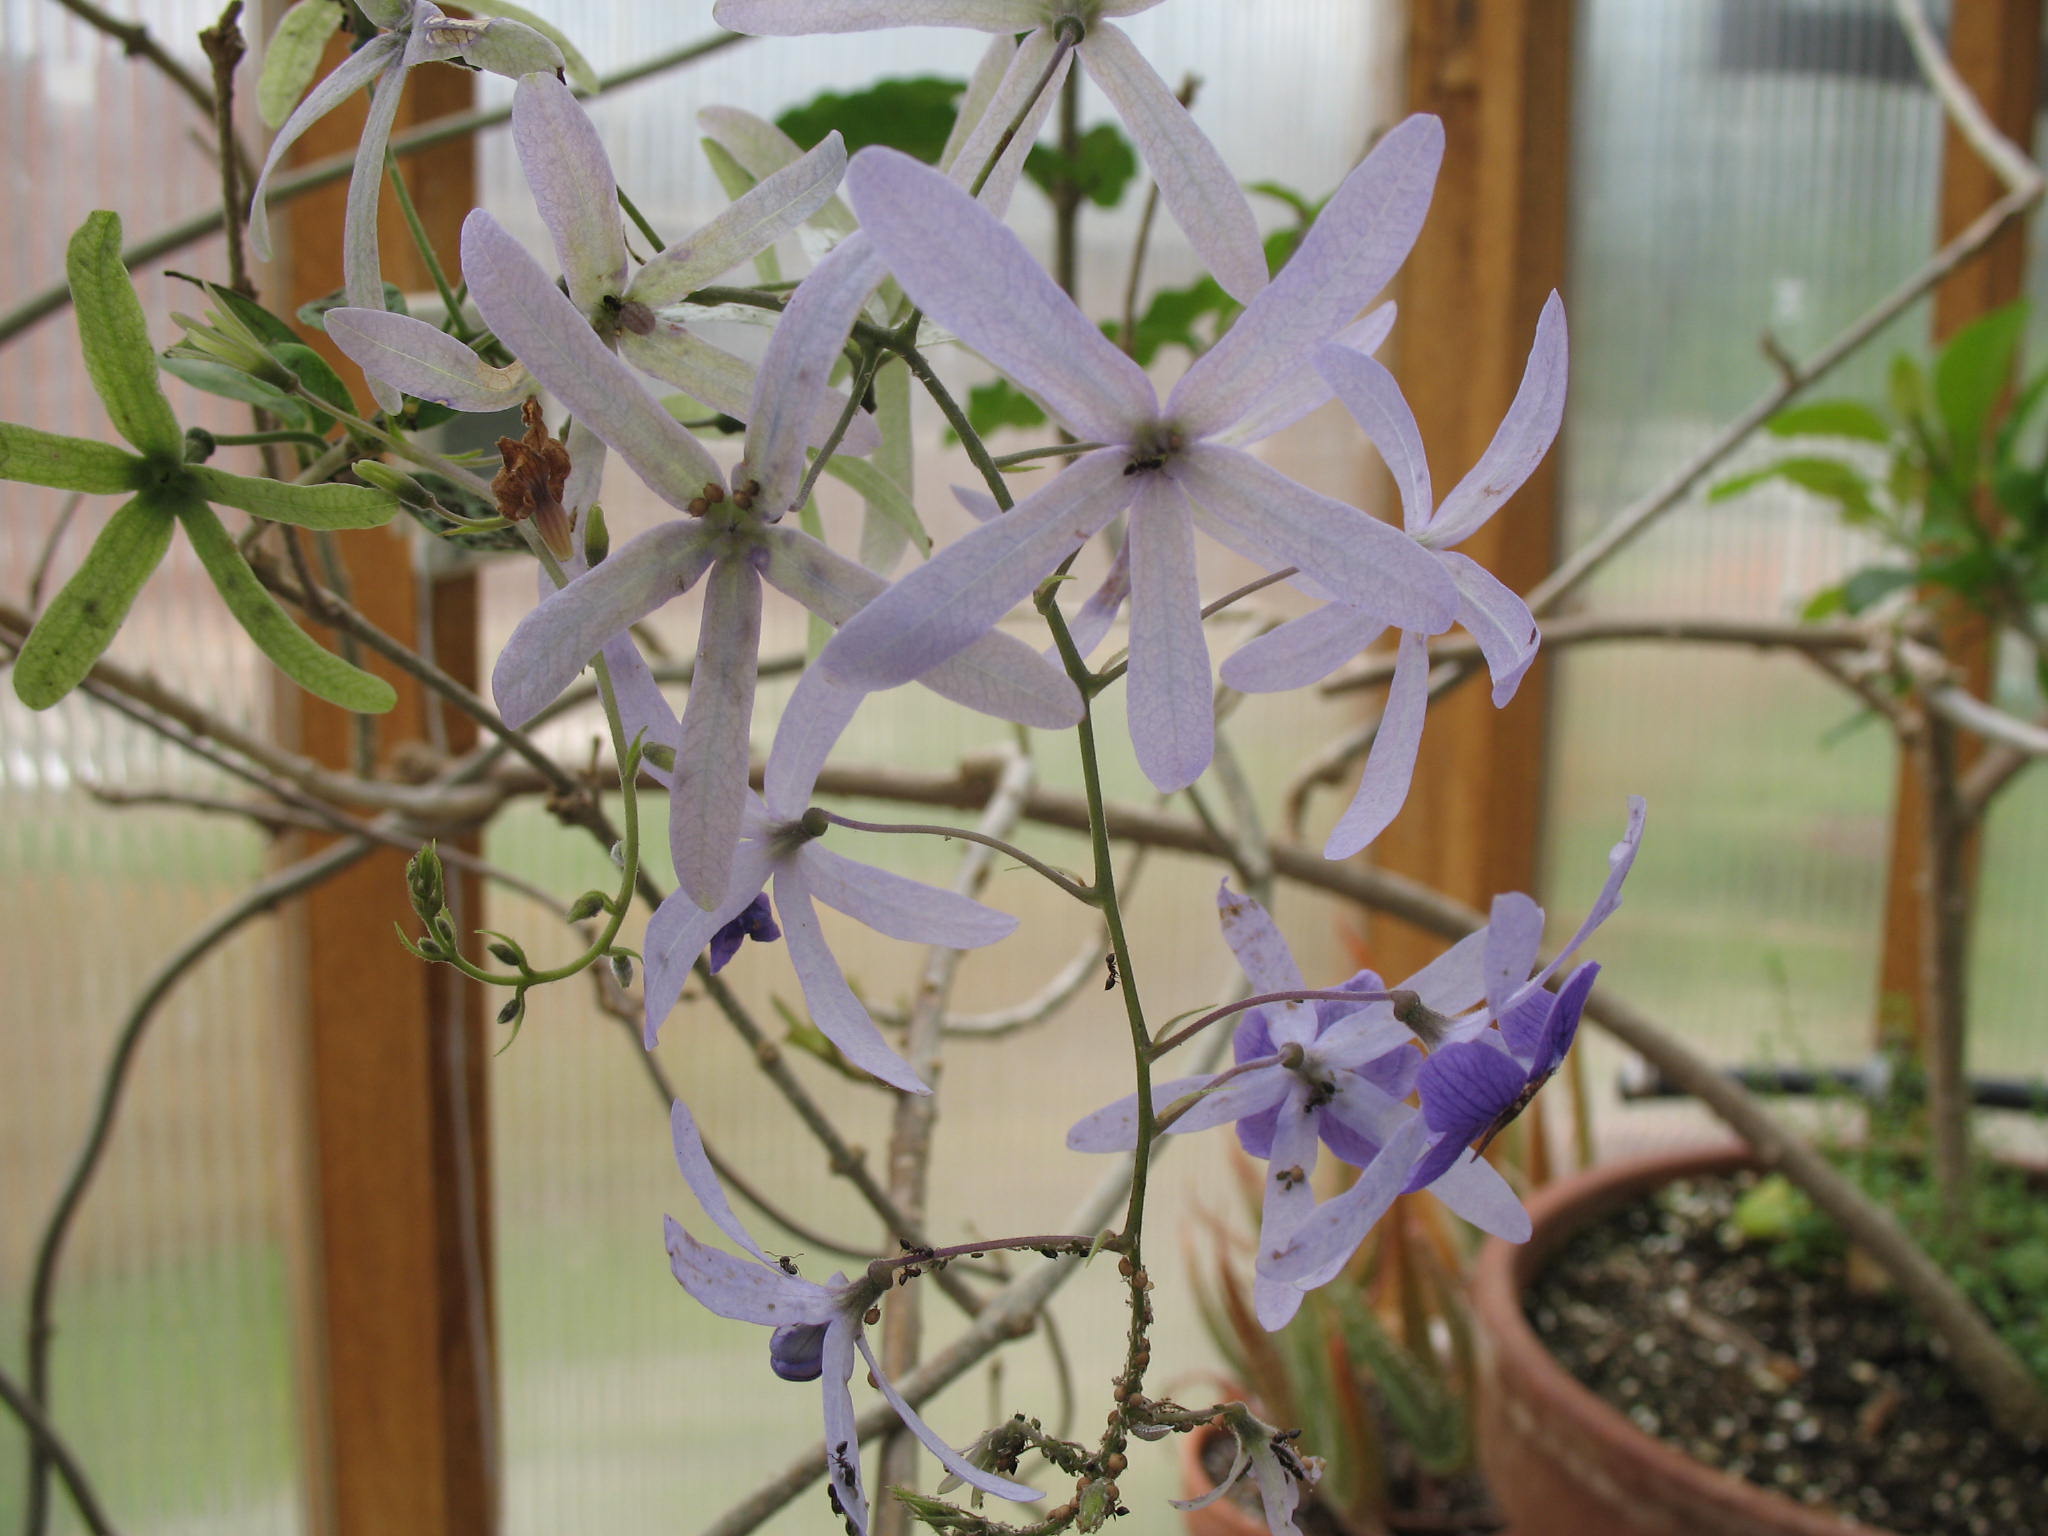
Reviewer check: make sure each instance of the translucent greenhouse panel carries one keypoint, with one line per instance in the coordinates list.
(1741, 169)
(173, 1348)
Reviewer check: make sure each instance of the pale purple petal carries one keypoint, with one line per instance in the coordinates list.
(1303, 390)
(556, 641)
(1230, 1481)
(949, 1458)
(975, 278)
(749, 226)
(739, 1288)
(1330, 1234)
(1391, 764)
(1194, 183)
(1621, 859)
(1114, 1127)
(680, 929)
(1524, 436)
(798, 363)
(1290, 1195)
(1090, 626)
(833, 1007)
(710, 789)
(1355, 557)
(899, 907)
(989, 72)
(1301, 652)
(1172, 720)
(998, 674)
(346, 78)
(586, 476)
(1363, 1117)
(498, 46)
(362, 275)
(572, 185)
(939, 608)
(1356, 244)
(1498, 619)
(713, 376)
(1020, 79)
(800, 18)
(1364, 1036)
(1278, 1491)
(812, 722)
(1474, 1189)
(702, 1178)
(1456, 979)
(842, 1432)
(424, 361)
(1369, 392)
(977, 503)
(1268, 964)
(1514, 934)
(762, 149)
(643, 709)
(543, 329)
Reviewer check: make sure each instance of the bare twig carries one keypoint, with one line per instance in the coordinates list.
(917, 1114)
(1944, 897)
(84, 1497)
(137, 42)
(41, 573)
(225, 47)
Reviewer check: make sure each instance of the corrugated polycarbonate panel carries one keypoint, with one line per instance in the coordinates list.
(628, 1407)
(1741, 169)
(173, 1348)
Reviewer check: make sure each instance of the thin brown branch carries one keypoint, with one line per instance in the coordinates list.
(84, 1497)
(225, 47)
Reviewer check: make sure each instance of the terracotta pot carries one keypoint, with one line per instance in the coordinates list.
(1562, 1461)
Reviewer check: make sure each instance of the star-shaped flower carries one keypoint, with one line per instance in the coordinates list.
(1307, 649)
(415, 32)
(1194, 183)
(1307, 1074)
(732, 541)
(780, 848)
(818, 1330)
(167, 493)
(1176, 466)
(1512, 1017)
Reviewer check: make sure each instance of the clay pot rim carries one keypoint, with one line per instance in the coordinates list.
(1558, 1213)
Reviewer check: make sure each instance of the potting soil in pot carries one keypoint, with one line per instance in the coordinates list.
(1793, 1378)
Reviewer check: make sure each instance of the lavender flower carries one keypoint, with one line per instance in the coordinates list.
(1308, 1074)
(731, 541)
(779, 846)
(1514, 1019)
(415, 32)
(817, 1330)
(1176, 467)
(1307, 649)
(1194, 184)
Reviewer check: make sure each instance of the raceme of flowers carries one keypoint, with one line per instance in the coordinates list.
(1403, 1082)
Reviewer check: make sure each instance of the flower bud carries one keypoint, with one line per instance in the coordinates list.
(796, 1351)
(622, 968)
(588, 905)
(426, 881)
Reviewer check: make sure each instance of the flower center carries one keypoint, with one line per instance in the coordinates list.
(1151, 449)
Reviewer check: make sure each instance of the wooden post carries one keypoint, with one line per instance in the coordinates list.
(396, 1314)
(1995, 45)
(1498, 74)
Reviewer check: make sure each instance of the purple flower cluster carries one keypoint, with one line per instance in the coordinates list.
(1405, 1084)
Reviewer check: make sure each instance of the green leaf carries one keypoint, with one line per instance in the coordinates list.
(1171, 319)
(1825, 604)
(914, 116)
(316, 670)
(304, 506)
(1101, 167)
(1304, 210)
(999, 403)
(1907, 388)
(264, 325)
(317, 374)
(1873, 584)
(81, 621)
(66, 463)
(574, 65)
(292, 57)
(115, 338)
(1830, 418)
(1971, 373)
(1838, 482)
(313, 312)
(233, 384)
(884, 497)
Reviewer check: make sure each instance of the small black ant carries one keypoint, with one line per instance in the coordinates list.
(1110, 985)
(1152, 461)
(787, 1262)
(841, 1464)
(1290, 1178)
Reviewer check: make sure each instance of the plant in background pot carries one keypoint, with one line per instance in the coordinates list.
(1382, 1363)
